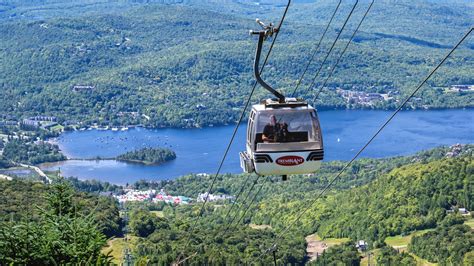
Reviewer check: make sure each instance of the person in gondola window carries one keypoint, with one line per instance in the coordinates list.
(274, 131)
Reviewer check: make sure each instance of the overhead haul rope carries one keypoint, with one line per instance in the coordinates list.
(251, 202)
(243, 203)
(332, 47)
(279, 236)
(242, 115)
(253, 89)
(315, 50)
(297, 85)
(238, 195)
(343, 51)
(345, 48)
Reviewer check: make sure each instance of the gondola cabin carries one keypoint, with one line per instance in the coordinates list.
(282, 139)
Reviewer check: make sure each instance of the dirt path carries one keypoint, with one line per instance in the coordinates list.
(37, 170)
(315, 247)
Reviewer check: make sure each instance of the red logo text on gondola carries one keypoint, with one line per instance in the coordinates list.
(289, 160)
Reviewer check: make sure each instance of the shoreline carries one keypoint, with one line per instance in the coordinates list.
(124, 128)
(201, 156)
(448, 148)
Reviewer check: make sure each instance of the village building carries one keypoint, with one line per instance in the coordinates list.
(132, 195)
(461, 88)
(43, 118)
(212, 198)
(31, 123)
(462, 211)
(83, 88)
(363, 98)
(8, 123)
(361, 245)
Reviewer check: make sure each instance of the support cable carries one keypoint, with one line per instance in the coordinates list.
(332, 47)
(250, 204)
(243, 203)
(341, 55)
(237, 197)
(242, 115)
(280, 235)
(360, 23)
(343, 51)
(315, 50)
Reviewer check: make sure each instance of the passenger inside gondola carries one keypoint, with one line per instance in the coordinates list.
(287, 127)
(275, 131)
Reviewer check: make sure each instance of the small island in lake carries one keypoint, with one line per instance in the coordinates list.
(148, 156)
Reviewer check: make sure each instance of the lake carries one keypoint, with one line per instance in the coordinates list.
(200, 150)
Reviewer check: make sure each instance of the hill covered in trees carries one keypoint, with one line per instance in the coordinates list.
(396, 196)
(148, 156)
(42, 225)
(411, 197)
(375, 199)
(446, 245)
(190, 64)
(24, 151)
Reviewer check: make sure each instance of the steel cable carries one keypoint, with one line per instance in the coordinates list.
(234, 133)
(332, 47)
(316, 49)
(250, 204)
(343, 52)
(243, 203)
(280, 235)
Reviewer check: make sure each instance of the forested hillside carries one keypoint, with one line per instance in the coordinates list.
(22, 151)
(414, 194)
(446, 245)
(148, 156)
(43, 225)
(408, 198)
(190, 64)
(375, 199)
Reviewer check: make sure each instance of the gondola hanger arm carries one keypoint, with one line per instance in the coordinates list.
(266, 32)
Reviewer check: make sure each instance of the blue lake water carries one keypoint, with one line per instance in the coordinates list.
(199, 150)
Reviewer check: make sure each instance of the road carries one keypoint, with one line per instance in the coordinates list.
(37, 170)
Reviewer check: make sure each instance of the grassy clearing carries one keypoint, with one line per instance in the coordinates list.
(335, 241)
(158, 213)
(470, 222)
(374, 253)
(331, 241)
(398, 241)
(403, 241)
(260, 226)
(115, 247)
(57, 128)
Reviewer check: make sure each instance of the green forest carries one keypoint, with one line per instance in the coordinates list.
(45, 225)
(375, 199)
(24, 151)
(148, 156)
(446, 245)
(409, 197)
(189, 65)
